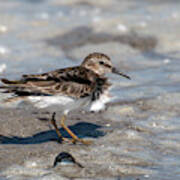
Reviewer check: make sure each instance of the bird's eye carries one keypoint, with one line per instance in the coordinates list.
(101, 62)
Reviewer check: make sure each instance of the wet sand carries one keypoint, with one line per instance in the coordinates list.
(138, 135)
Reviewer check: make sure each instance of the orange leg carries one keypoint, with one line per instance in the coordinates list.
(53, 122)
(74, 137)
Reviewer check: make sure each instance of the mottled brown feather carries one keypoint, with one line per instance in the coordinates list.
(75, 82)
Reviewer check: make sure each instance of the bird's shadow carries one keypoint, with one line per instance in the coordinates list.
(82, 130)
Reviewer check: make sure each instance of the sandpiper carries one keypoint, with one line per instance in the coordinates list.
(69, 88)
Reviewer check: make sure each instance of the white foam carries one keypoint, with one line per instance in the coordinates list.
(3, 28)
(3, 68)
(3, 50)
(122, 28)
(166, 61)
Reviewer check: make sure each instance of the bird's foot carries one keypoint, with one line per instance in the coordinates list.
(86, 142)
(62, 140)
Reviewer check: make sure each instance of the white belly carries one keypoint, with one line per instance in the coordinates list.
(66, 104)
(45, 101)
(56, 103)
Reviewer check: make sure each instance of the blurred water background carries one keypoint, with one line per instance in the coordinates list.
(143, 40)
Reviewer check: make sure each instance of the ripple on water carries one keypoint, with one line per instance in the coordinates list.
(141, 134)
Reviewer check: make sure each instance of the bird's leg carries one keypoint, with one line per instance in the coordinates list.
(53, 122)
(74, 137)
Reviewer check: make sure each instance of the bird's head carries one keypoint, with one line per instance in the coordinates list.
(100, 64)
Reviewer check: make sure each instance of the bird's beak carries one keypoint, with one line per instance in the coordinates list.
(115, 71)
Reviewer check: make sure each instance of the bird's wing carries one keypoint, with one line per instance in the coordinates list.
(74, 82)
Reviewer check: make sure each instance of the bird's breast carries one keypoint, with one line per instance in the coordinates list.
(99, 104)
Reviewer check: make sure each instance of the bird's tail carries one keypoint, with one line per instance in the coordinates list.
(10, 86)
(8, 82)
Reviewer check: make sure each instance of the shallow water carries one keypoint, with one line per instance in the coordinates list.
(141, 126)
